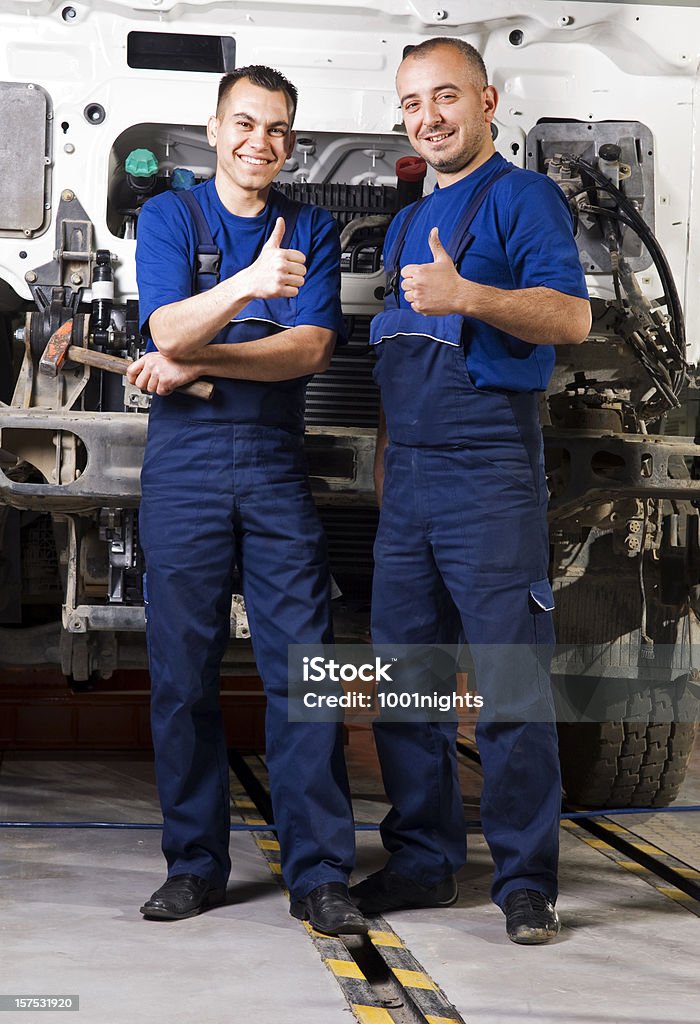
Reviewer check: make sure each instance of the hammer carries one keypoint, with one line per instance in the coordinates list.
(59, 351)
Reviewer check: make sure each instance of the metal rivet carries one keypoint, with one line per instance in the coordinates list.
(67, 195)
(30, 277)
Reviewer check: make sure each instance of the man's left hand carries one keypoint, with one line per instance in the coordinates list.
(159, 374)
(433, 288)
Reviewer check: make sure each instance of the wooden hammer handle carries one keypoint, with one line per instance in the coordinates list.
(115, 364)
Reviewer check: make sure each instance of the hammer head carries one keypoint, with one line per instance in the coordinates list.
(54, 355)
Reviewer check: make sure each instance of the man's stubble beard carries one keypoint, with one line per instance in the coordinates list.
(475, 136)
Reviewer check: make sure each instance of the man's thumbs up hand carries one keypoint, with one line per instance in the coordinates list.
(277, 273)
(433, 288)
(440, 254)
(275, 239)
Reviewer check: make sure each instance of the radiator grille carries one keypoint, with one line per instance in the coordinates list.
(345, 395)
(345, 202)
(350, 533)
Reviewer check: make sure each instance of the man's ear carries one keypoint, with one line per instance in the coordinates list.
(292, 143)
(490, 103)
(212, 130)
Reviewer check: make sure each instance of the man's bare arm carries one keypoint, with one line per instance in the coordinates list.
(296, 352)
(541, 316)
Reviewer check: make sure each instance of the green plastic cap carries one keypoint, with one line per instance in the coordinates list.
(141, 163)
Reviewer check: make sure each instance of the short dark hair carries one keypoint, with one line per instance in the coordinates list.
(265, 78)
(471, 55)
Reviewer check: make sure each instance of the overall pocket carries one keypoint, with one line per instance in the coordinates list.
(414, 369)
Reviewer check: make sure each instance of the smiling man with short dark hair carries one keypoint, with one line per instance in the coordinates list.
(225, 487)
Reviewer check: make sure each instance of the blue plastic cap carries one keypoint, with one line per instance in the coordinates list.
(183, 179)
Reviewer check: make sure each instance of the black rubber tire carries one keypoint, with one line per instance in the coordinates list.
(627, 763)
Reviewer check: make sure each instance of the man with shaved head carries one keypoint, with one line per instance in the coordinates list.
(483, 279)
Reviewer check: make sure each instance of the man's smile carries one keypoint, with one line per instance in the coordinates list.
(436, 136)
(255, 161)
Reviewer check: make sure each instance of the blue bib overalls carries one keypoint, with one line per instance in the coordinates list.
(220, 494)
(463, 530)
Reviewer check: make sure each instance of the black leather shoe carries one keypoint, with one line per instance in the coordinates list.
(388, 890)
(530, 917)
(328, 909)
(182, 896)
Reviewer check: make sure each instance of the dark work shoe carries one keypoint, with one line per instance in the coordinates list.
(530, 917)
(388, 890)
(328, 909)
(182, 896)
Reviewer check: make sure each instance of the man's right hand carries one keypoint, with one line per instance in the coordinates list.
(277, 273)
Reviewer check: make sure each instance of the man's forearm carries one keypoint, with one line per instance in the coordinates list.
(296, 352)
(181, 329)
(541, 316)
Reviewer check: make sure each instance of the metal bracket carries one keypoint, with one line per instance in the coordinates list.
(609, 466)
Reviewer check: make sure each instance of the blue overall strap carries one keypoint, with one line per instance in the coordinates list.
(462, 237)
(393, 257)
(207, 255)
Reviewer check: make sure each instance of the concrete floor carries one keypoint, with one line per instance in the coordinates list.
(70, 921)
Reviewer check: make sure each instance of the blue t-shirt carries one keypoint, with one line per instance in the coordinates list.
(165, 257)
(523, 238)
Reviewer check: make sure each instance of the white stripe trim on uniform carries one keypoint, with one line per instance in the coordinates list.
(418, 334)
(260, 320)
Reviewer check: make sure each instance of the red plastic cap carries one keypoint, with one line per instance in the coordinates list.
(411, 168)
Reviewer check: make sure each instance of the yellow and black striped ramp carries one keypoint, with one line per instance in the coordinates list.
(424, 993)
(653, 860)
(364, 1002)
(366, 1005)
(266, 841)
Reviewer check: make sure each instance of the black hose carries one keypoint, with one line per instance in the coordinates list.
(634, 220)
